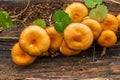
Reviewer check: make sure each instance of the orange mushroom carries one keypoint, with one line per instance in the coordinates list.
(65, 50)
(21, 58)
(77, 11)
(94, 26)
(110, 23)
(55, 38)
(78, 36)
(34, 40)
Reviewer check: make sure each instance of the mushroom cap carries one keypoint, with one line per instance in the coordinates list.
(110, 23)
(107, 38)
(118, 17)
(34, 40)
(94, 25)
(55, 38)
(65, 50)
(78, 36)
(20, 57)
(77, 11)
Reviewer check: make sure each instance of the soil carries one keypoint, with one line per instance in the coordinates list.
(60, 67)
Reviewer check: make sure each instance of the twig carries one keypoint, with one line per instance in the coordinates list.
(115, 1)
(9, 37)
(26, 18)
(17, 20)
(16, 16)
(50, 19)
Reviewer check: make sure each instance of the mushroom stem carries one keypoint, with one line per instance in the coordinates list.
(93, 53)
(103, 52)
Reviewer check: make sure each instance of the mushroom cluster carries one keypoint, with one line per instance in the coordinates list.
(78, 36)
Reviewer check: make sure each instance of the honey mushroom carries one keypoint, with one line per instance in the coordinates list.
(55, 38)
(107, 38)
(65, 50)
(77, 11)
(94, 26)
(118, 17)
(21, 58)
(78, 36)
(34, 40)
(110, 23)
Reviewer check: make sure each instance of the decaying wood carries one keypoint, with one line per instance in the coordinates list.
(60, 67)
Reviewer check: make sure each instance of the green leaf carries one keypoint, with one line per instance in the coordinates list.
(61, 19)
(5, 20)
(92, 3)
(98, 2)
(5, 13)
(40, 22)
(99, 13)
(59, 26)
(8, 23)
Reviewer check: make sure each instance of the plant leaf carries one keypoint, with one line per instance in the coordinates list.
(97, 1)
(40, 22)
(59, 26)
(5, 20)
(92, 3)
(61, 19)
(99, 13)
(8, 23)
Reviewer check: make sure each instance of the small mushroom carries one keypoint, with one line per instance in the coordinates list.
(77, 11)
(107, 38)
(118, 17)
(78, 36)
(34, 40)
(110, 23)
(94, 25)
(65, 50)
(55, 38)
(21, 58)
